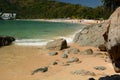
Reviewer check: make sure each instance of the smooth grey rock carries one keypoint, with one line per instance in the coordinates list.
(91, 35)
(71, 50)
(87, 52)
(73, 59)
(64, 56)
(65, 64)
(43, 69)
(74, 50)
(83, 72)
(57, 44)
(100, 68)
(66, 51)
(53, 53)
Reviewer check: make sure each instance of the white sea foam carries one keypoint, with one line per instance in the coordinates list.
(41, 42)
(31, 42)
(69, 39)
(38, 42)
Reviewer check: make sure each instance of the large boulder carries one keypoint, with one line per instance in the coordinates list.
(4, 41)
(91, 35)
(57, 44)
(112, 38)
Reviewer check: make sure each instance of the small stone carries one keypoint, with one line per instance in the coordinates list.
(64, 56)
(107, 59)
(73, 59)
(74, 50)
(66, 51)
(55, 63)
(102, 47)
(91, 79)
(98, 54)
(100, 68)
(83, 72)
(90, 73)
(52, 53)
(66, 64)
(88, 52)
(43, 69)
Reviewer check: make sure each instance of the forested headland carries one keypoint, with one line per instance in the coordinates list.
(36, 9)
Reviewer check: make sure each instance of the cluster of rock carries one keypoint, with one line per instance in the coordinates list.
(106, 36)
(4, 41)
(66, 52)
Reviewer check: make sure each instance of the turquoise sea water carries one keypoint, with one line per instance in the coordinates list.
(37, 32)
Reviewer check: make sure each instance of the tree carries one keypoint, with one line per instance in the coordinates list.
(110, 5)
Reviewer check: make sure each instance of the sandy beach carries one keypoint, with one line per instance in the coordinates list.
(59, 40)
(18, 62)
(78, 21)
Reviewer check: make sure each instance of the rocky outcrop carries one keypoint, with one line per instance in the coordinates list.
(91, 35)
(112, 37)
(107, 35)
(4, 41)
(57, 44)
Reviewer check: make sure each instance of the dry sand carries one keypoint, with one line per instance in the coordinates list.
(18, 62)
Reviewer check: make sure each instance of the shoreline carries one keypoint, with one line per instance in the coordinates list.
(37, 42)
(68, 38)
(42, 42)
(78, 21)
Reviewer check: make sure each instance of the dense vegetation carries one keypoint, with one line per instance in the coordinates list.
(110, 6)
(30, 9)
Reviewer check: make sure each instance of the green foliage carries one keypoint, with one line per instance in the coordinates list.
(110, 6)
(36, 9)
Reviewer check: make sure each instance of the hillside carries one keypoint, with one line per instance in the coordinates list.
(35, 9)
